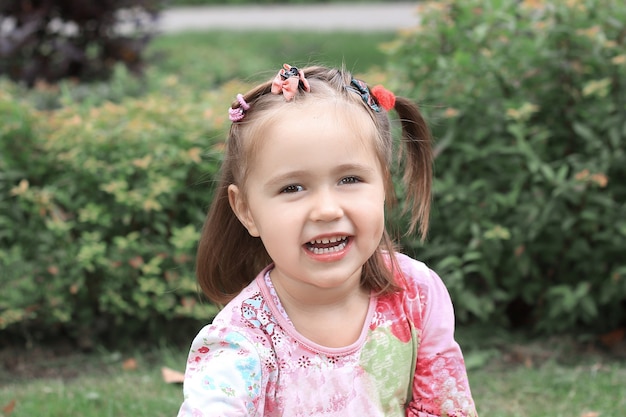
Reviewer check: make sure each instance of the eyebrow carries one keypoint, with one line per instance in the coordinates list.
(281, 179)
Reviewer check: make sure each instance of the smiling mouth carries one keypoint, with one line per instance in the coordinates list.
(327, 245)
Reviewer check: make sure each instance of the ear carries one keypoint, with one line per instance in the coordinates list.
(240, 208)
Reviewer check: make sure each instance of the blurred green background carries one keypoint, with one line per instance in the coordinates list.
(107, 166)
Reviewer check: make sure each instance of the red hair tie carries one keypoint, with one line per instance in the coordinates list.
(385, 98)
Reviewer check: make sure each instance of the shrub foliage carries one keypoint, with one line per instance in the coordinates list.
(51, 40)
(528, 105)
(100, 211)
(102, 194)
(103, 188)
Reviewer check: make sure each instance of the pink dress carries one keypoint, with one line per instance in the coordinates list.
(251, 361)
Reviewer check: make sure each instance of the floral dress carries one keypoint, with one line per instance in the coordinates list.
(252, 362)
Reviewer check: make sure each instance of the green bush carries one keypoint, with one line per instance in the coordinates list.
(100, 211)
(528, 105)
(103, 185)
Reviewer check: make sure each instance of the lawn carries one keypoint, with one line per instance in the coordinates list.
(206, 59)
(509, 378)
(550, 389)
(101, 384)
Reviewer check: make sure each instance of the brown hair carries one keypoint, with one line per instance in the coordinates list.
(228, 258)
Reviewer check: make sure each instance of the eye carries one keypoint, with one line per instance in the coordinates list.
(294, 188)
(350, 180)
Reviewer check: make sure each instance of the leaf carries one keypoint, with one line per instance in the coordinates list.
(171, 376)
(129, 364)
(548, 172)
(584, 131)
(136, 262)
(481, 32)
(8, 409)
(613, 338)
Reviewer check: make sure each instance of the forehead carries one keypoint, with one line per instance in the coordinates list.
(322, 133)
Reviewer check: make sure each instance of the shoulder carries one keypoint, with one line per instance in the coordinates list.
(423, 291)
(234, 337)
(224, 371)
(228, 331)
(409, 265)
(415, 273)
(248, 315)
(236, 313)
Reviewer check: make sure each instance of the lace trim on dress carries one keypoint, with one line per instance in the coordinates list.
(277, 303)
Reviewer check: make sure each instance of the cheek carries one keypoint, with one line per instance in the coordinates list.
(372, 213)
(381, 213)
(271, 224)
(381, 222)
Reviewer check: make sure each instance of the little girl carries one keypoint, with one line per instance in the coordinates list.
(322, 317)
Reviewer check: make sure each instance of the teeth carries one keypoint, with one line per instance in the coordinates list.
(327, 240)
(337, 248)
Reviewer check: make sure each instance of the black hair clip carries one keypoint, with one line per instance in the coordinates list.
(361, 88)
(291, 72)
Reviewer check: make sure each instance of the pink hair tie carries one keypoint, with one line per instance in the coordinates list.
(242, 102)
(237, 114)
(288, 80)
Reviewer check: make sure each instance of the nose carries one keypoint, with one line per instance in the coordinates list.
(326, 206)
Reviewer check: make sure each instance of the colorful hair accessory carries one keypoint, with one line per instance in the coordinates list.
(237, 114)
(288, 80)
(361, 88)
(385, 98)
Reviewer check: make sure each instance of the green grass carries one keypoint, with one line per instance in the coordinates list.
(514, 375)
(81, 385)
(206, 59)
(199, 61)
(137, 394)
(530, 380)
(550, 389)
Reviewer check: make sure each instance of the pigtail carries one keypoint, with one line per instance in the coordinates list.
(227, 255)
(417, 158)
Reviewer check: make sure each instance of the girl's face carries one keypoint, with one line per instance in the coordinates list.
(315, 196)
